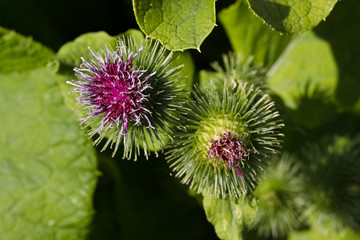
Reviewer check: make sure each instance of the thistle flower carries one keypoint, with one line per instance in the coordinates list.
(223, 141)
(332, 167)
(280, 199)
(129, 94)
(237, 68)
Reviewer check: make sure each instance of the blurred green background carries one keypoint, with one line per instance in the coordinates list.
(141, 200)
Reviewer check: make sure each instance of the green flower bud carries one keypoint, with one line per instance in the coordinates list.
(236, 68)
(333, 184)
(223, 141)
(280, 199)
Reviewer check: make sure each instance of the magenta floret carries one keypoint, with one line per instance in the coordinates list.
(230, 150)
(110, 87)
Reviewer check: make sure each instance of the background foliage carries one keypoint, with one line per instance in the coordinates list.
(55, 185)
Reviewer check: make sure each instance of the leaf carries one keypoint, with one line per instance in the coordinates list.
(305, 77)
(178, 25)
(206, 78)
(188, 69)
(19, 53)
(229, 217)
(47, 166)
(292, 16)
(71, 52)
(250, 36)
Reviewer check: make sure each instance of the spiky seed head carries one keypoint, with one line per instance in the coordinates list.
(332, 168)
(280, 198)
(235, 67)
(129, 94)
(223, 142)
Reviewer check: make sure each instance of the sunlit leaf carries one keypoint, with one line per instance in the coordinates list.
(178, 25)
(292, 16)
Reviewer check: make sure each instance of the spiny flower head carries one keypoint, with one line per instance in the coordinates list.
(129, 94)
(280, 199)
(332, 168)
(114, 89)
(223, 142)
(236, 68)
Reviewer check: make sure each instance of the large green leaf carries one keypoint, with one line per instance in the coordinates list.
(229, 217)
(19, 53)
(178, 25)
(248, 34)
(71, 52)
(305, 77)
(292, 16)
(47, 166)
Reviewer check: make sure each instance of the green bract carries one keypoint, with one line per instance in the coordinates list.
(249, 116)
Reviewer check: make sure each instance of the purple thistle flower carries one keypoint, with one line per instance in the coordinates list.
(130, 94)
(111, 87)
(230, 150)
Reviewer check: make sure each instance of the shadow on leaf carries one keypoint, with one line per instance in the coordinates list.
(273, 13)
